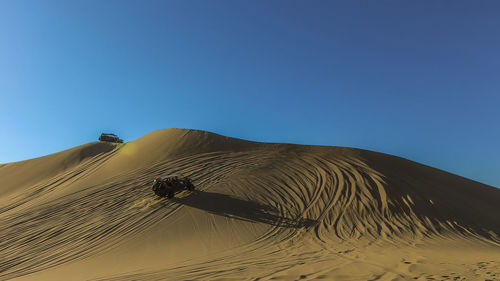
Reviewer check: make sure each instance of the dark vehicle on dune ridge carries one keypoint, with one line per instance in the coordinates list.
(110, 138)
(167, 186)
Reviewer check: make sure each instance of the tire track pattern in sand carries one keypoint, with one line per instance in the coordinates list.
(333, 198)
(329, 196)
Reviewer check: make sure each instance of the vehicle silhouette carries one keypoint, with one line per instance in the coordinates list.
(167, 186)
(110, 138)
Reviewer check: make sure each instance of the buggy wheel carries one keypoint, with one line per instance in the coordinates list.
(170, 194)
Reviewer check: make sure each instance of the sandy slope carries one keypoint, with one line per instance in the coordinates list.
(261, 212)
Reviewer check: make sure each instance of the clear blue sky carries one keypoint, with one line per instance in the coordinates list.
(418, 79)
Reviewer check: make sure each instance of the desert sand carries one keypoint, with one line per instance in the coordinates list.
(261, 211)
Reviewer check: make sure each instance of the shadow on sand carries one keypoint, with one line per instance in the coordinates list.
(231, 207)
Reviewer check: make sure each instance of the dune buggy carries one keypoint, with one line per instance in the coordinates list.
(167, 186)
(110, 138)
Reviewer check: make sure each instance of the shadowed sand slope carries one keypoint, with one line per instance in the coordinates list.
(260, 211)
(24, 173)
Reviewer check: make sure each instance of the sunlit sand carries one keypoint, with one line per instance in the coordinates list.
(260, 212)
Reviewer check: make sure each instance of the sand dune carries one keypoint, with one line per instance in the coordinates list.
(260, 212)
